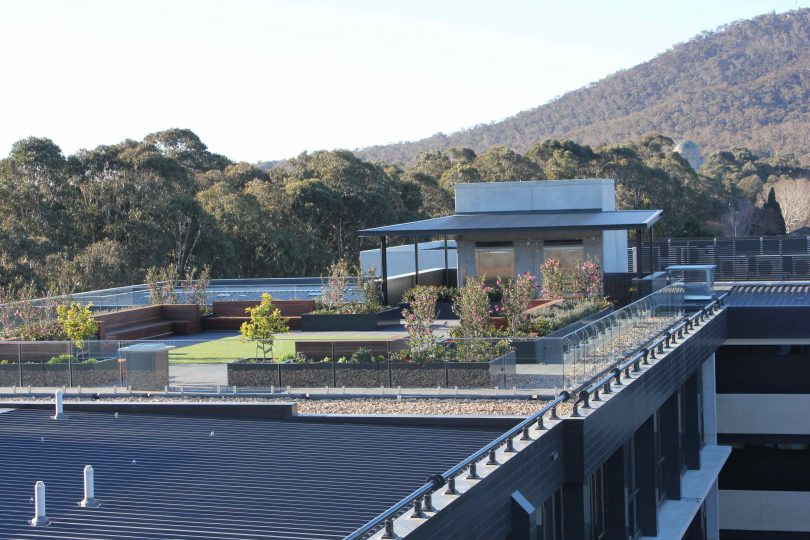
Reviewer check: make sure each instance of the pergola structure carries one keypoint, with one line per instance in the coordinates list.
(510, 224)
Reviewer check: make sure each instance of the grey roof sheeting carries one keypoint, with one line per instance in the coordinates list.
(771, 295)
(252, 479)
(522, 221)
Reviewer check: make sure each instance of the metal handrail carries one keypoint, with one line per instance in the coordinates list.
(435, 482)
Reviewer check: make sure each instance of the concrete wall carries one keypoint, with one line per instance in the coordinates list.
(609, 248)
(774, 414)
(765, 510)
(528, 249)
(536, 195)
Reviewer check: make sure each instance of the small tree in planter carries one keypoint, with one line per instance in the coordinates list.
(419, 318)
(265, 322)
(588, 280)
(77, 322)
(517, 296)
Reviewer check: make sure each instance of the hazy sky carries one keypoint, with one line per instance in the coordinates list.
(261, 80)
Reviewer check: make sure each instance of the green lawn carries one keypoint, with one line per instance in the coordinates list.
(232, 348)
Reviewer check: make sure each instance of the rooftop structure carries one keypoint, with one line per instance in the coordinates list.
(507, 228)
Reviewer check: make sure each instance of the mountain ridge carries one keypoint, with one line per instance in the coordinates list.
(744, 84)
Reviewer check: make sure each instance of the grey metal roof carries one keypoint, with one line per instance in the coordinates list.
(771, 295)
(522, 221)
(252, 479)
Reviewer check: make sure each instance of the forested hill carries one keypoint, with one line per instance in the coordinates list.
(746, 84)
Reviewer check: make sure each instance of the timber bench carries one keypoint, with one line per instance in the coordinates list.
(149, 322)
(231, 315)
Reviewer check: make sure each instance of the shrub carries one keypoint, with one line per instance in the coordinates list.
(370, 290)
(554, 277)
(4, 362)
(565, 313)
(265, 322)
(77, 322)
(472, 308)
(517, 295)
(588, 280)
(335, 293)
(419, 319)
(161, 283)
(63, 359)
(90, 361)
(362, 356)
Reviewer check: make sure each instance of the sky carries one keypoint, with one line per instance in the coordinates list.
(267, 79)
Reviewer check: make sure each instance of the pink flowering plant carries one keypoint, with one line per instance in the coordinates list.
(517, 296)
(419, 318)
(335, 294)
(472, 308)
(554, 276)
(588, 280)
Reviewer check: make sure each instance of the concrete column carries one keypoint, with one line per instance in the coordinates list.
(712, 506)
(709, 389)
(709, 401)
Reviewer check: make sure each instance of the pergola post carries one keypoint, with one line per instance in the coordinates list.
(652, 259)
(446, 265)
(384, 268)
(639, 234)
(416, 260)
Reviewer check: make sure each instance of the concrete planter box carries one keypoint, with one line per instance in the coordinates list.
(350, 322)
(497, 372)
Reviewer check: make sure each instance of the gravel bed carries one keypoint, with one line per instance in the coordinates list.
(404, 406)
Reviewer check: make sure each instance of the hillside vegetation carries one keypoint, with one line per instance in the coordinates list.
(103, 217)
(745, 85)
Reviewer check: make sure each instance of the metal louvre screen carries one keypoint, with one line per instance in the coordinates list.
(737, 259)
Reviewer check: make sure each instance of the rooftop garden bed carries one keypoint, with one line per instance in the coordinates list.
(337, 312)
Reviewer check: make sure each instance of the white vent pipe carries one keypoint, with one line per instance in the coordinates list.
(60, 415)
(89, 500)
(40, 519)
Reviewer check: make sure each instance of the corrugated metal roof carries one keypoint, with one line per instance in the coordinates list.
(167, 477)
(773, 295)
(522, 221)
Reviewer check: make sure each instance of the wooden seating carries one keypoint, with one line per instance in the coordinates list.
(149, 322)
(231, 315)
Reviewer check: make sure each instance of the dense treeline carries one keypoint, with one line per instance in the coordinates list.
(744, 85)
(102, 217)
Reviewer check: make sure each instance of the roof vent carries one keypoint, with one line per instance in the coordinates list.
(89, 500)
(40, 519)
(60, 415)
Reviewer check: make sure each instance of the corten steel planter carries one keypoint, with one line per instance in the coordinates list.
(350, 322)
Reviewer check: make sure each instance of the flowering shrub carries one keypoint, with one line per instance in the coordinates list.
(161, 283)
(336, 292)
(23, 317)
(419, 318)
(194, 289)
(554, 275)
(588, 280)
(370, 290)
(517, 295)
(472, 308)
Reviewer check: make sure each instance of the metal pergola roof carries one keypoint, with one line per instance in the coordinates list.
(521, 222)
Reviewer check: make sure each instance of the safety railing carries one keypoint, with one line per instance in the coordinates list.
(589, 350)
(420, 501)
